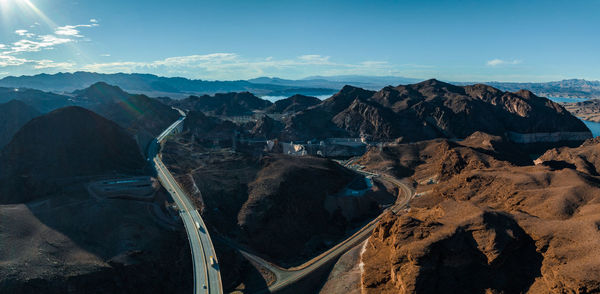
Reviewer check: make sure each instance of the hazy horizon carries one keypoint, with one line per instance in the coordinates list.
(301, 78)
(506, 41)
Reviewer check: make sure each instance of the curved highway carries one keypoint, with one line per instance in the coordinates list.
(286, 277)
(207, 277)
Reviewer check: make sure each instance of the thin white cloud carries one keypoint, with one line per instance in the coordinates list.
(43, 64)
(73, 30)
(214, 58)
(24, 33)
(31, 42)
(37, 44)
(497, 62)
(105, 55)
(93, 20)
(315, 58)
(7, 60)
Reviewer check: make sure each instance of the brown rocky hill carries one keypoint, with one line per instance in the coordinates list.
(13, 115)
(227, 104)
(583, 158)
(285, 208)
(441, 158)
(433, 109)
(207, 129)
(68, 142)
(492, 228)
(265, 127)
(142, 116)
(293, 104)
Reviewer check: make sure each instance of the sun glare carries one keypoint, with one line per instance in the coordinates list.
(25, 8)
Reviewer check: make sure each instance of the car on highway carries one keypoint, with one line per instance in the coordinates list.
(197, 225)
(212, 261)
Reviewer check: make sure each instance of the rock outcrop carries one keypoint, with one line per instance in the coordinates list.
(491, 228)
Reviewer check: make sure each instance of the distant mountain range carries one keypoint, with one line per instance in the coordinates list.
(574, 88)
(178, 87)
(338, 82)
(153, 85)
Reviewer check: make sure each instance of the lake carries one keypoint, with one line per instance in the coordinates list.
(593, 126)
(277, 98)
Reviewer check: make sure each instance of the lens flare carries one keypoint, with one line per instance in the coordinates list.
(22, 8)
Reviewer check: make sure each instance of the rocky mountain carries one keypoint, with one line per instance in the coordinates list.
(315, 85)
(68, 142)
(154, 85)
(587, 110)
(566, 88)
(13, 115)
(292, 191)
(292, 104)
(227, 104)
(207, 130)
(434, 109)
(265, 127)
(480, 224)
(143, 117)
(100, 93)
(42, 101)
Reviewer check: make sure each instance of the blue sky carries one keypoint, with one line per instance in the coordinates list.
(228, 40)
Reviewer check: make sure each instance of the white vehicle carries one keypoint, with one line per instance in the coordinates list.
(212, 261)
(197, 225)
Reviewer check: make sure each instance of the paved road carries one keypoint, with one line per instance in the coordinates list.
(207, 276)
(201, 244)
(288, 276)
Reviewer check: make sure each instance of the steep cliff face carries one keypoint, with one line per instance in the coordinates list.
(452, 248)
(497, 228)
(433, 109)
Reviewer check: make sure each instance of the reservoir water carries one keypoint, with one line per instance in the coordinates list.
(593, 126)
